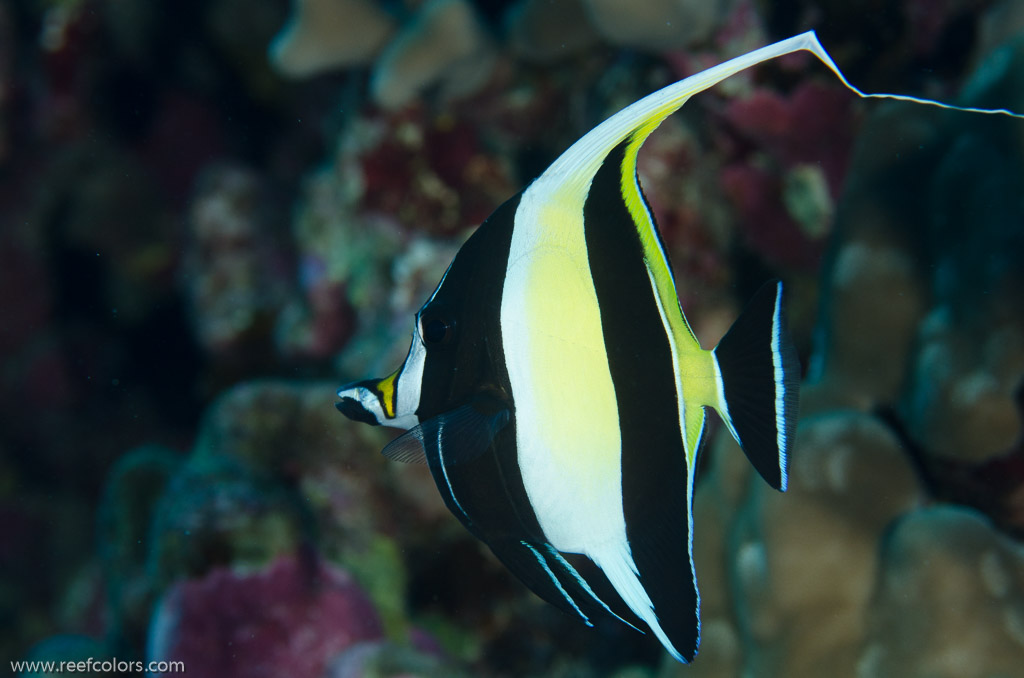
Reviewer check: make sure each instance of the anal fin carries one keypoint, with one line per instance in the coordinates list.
(549, 574)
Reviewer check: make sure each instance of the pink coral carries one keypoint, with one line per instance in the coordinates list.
(810, 128)
(288, 620)
(768, 229)
(813, 124)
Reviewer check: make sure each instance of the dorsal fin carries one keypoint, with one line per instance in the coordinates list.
(580, 162)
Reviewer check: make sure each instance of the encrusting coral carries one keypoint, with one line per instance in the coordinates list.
(949, 600)
(444, 46)
(323, 35)
(234, 277)
(543, 31)
(657, 24)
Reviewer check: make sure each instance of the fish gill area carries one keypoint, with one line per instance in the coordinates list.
(213, 213)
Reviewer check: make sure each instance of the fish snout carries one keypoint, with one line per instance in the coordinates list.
(361, 401)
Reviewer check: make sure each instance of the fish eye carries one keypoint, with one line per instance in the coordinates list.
(437, 330)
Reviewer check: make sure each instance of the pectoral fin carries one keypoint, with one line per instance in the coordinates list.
(462, 434)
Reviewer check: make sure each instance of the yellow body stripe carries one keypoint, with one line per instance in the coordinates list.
(654, 256)
(692, 364)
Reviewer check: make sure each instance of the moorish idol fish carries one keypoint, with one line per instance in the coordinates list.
(559, 396)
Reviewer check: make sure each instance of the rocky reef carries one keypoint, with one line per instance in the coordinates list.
(215, 213)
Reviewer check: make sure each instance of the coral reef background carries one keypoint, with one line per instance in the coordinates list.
(214, 212)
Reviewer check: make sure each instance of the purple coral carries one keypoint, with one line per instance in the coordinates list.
(288, 620)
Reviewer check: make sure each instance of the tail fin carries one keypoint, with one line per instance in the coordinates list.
(759, 383)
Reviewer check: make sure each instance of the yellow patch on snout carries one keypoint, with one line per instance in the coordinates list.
(386, 390)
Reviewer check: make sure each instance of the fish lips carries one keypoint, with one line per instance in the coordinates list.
(353, 401)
